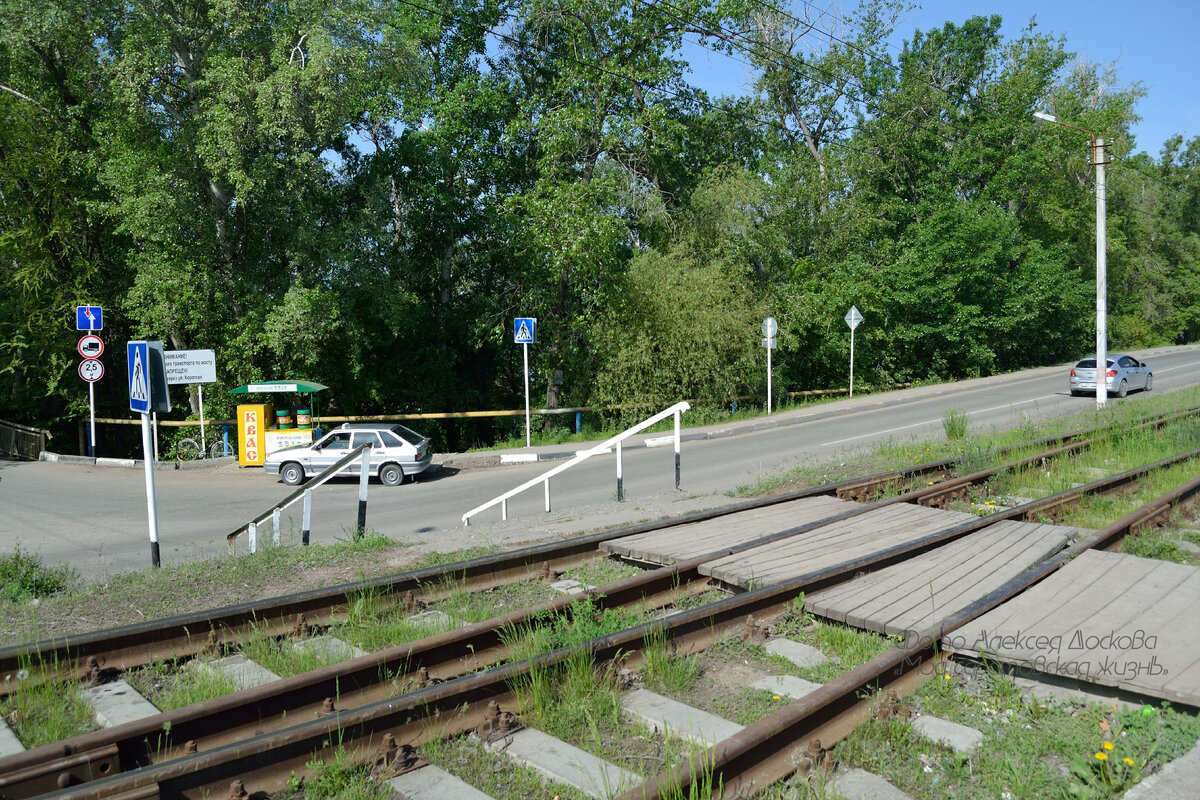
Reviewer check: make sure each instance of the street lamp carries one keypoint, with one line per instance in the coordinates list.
(1101, 259)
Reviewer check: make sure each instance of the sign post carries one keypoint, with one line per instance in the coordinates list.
(91, 370)
(148, 391)
(192, 366)
(525, 334)
(853, 317)
(769, 328)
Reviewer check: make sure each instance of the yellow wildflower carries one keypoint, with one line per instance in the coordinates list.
(1128, 760)
(1102, 756)
(1108, 745)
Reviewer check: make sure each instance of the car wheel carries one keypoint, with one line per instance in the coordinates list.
(292, 473)
(391, 475)
(1149, 382)
(1123, 389)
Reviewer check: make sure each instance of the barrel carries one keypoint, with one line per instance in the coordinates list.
(303, 419)
(283, 419)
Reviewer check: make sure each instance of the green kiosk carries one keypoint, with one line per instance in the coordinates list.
(264, 428)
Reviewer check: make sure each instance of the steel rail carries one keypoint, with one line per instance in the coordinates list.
(716, 618)
(81, 656)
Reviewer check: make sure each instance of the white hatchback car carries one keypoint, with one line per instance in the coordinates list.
(1124, 374)
(397, 453)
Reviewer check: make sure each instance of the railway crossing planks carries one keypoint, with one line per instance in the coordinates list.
(682, 542)
(833, 544)
(1107, 618)
(916, 594)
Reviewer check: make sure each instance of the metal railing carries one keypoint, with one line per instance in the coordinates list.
(580, 457)
(305, 493)
(21, 441)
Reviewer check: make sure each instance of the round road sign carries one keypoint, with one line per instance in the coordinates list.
(90, 346)
(91, 370)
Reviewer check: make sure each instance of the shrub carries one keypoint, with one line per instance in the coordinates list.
(23, 575)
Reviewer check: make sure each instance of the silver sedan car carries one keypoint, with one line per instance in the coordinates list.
(1125, 373)
(397, 453)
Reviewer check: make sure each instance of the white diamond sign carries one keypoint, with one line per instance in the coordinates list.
(853, 317)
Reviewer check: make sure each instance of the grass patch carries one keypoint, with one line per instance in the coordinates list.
(178, 588)
(493, 773)
(45, 710)
(338, 779)
(1030, 750)
(23, 576)
(169, 685)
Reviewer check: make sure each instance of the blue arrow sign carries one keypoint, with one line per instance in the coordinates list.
(139, 376)
(525, 330)
(89, 318)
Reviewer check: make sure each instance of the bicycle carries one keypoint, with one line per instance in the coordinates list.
(190, 449)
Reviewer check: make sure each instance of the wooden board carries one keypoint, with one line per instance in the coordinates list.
(1107, 618)
(682, 542)
(916, 594)
(837, 543)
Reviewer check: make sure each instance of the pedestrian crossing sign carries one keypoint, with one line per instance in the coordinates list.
(525, 330)
(148, 389)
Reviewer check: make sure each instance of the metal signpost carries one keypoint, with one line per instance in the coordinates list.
(192, 366)
(148, 391)
(769, 328)
(853, 317)
(525, 334)
(91, 370)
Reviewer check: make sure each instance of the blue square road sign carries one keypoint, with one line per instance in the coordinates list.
(525, 330)
(139, 376)
(89, 318)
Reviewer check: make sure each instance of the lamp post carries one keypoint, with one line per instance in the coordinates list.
(1101, 259)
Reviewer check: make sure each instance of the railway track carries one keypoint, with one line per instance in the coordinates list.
(253, 736)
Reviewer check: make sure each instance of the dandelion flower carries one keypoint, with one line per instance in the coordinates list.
(1102, 756)
(1108, 745)
(1128, 760)
(774, 697)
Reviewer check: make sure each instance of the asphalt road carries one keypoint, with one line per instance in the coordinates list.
(95, 517)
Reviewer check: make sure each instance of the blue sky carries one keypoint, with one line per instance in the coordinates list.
(1152, 41)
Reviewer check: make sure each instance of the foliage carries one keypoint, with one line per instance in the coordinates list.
(366, 193)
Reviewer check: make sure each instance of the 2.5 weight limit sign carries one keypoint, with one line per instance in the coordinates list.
(91, 370)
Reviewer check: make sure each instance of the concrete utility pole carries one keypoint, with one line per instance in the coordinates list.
(1098, 159)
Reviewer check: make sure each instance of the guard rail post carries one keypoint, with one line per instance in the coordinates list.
(364, 478)
(620, 484)
(677, 413)
(306, 525)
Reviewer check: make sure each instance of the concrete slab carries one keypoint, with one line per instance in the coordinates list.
(570, 586)
(118, 702)
(329, 648)
(434, 783)
(433, 619)
(677, 719)
(1175, 781)
(802, 655)
(565, 763)
(857, 784)
(960, 738)
(244, 673)
(786, 685)
(10, 745)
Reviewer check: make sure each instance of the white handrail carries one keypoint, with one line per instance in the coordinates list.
(584, 455)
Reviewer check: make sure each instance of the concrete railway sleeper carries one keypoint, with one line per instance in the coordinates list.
(197, 763)
(84, 656)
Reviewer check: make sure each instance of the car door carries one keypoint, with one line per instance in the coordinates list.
(368, 438)
(1134, 376)
(328, 450)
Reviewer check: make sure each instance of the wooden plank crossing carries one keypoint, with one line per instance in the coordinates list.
(682, 542)
(1107, 618)
(916, 594)
(833, 544)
